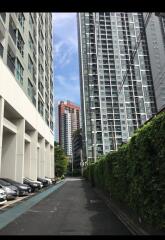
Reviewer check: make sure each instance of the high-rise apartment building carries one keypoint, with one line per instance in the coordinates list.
(26, 95)
(111, 110)
(69, 121)
(155, 33)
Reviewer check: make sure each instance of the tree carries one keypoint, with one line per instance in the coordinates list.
(61, 160)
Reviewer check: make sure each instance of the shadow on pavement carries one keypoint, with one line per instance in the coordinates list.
(102, 220)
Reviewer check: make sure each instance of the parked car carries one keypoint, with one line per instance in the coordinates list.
(23, 189)
(53, 180)
(49, 180)
(43, 181)
(10, 190)
(2, 196)
(35, 185)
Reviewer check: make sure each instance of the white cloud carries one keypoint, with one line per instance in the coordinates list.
(67, 88)
(65, 37)
(66, 80)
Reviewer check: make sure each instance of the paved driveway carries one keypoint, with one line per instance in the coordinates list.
(72, 209)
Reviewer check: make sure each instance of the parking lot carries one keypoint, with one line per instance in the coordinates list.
(19, 199)
(11, 203)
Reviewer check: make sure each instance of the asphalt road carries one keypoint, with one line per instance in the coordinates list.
(73, 209)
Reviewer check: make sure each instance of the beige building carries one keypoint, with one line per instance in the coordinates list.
(26, 96)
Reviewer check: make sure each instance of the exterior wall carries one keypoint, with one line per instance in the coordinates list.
(32, 32)
(156, 43)
(112, 111)
(16, 113)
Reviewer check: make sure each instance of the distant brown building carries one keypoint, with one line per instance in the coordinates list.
(69, 121)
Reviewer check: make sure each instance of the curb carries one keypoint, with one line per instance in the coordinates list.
(124, 218)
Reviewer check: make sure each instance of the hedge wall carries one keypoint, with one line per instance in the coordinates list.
(135, 174)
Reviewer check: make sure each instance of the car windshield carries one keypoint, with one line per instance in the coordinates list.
(3, 183)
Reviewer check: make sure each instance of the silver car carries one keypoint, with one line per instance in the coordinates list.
(2, 196)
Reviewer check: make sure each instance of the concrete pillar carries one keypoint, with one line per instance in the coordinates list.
(27, 158)
(49, 166)
(52, 173)
(33, 154)
(38, 162)
(20, 136)
(1, 127)
(9, 156)
(47, 159)
(42, 157)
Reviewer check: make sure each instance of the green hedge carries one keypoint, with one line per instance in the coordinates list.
(135, 174)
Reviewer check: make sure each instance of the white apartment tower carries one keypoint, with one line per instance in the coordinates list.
(26, 96)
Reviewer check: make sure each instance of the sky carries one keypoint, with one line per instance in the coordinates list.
(65, 57)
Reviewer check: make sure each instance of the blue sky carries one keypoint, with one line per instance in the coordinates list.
(65, 57)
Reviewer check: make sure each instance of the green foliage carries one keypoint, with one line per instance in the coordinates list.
(135, 174)
(76, 172)
(61, 160)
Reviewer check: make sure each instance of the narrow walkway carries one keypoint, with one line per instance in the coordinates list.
(72, 209)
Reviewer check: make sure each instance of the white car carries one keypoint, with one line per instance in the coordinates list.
(2, 197)
(49, 180)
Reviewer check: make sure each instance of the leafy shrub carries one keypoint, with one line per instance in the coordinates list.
(135, 174)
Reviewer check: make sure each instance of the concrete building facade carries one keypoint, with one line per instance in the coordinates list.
(117, 94)
(155, 33)
(26, 96)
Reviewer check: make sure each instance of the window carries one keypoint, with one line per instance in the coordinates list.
(21, 20)
(40, 106)
(20, 44)
(30, 42)
(12, 29)
(11, 59)
(30, 21)
(40, 87)
(31, 91)
(19, 71)
(30, 65)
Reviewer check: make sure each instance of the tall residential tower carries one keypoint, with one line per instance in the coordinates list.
(26, 95)
(69, 121)
(111, 110)
(155, 33)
